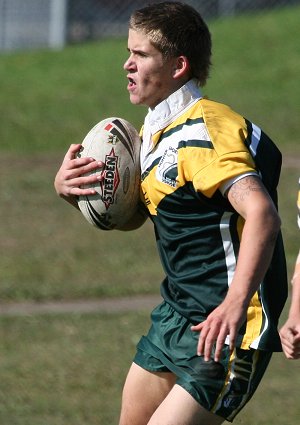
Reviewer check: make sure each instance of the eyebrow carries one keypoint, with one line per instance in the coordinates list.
(137, 51)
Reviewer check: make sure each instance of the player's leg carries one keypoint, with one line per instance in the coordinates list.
(180, 408)
(143, 392)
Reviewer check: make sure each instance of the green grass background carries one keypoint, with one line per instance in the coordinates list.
(69, 369)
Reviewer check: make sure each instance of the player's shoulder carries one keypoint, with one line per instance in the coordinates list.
(225, 126)
(219, 114)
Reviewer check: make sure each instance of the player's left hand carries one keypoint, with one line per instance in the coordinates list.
(224, 321)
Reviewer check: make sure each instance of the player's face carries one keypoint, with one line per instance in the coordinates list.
(150, 76)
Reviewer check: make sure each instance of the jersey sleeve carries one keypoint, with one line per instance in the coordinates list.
(229, 157)
(221, 170)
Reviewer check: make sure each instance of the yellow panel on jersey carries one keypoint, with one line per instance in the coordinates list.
(254, 322)
(154, 191)
(227, 130)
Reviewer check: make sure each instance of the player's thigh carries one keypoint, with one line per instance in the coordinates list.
(180, 408)
(143, 392)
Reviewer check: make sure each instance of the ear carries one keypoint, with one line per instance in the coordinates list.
(181, 67)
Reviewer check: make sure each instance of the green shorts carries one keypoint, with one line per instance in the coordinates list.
(222, 387)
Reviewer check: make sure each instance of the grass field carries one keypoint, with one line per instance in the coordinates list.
(69, 369)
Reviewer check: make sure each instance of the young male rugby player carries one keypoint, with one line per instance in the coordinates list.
(208, 182)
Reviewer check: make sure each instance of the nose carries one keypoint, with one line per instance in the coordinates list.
(128, 65)
(125, 66)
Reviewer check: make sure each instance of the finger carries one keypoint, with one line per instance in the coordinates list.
(201, 341)
(290, 335)
(84, 183)
(287, 345)
(220, 344)
(207, 340)
(72, 151)
(292, 351)
(291, 354)
(208, 346)
(77, 191)
(84, 170)
(197, 328)
(87, 165)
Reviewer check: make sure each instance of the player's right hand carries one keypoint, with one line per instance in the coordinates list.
(71, 175)
(290, 338)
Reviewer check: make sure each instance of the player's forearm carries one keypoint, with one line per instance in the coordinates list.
(257, 245)
(250, 199)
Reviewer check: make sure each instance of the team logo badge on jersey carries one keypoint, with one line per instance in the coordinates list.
(167, 170)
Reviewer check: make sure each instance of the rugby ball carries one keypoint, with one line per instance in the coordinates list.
(115, 142)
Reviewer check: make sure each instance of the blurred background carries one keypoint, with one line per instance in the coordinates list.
(55, 23)
(63, 357)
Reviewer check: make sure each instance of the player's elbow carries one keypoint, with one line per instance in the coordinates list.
(273, 223)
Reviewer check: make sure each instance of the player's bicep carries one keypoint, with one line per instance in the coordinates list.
(248, 195)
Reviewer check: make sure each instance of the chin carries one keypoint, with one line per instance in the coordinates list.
(135, 101)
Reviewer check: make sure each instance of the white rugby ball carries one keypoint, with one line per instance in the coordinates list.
(117, 143)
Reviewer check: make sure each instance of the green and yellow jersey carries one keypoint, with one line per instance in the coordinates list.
(192, 150)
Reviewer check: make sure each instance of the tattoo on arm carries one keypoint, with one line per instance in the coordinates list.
(243, 188)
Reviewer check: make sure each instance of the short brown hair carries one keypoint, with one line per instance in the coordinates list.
(176, 29)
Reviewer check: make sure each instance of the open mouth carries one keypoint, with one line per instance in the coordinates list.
(131, 83)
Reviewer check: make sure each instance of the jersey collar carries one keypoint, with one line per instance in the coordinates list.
(172, 107)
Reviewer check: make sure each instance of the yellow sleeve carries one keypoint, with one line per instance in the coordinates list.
(230, 157)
